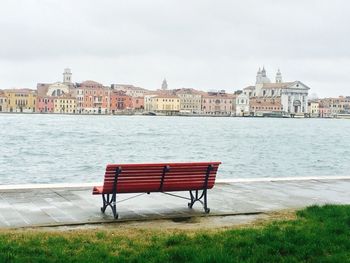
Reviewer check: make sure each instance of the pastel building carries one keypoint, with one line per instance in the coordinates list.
(21, 100)
(339, 105)
(217, 103)
(65, 104)
(314, 109)
(164, 103)
(190, 100)
(45, 104)
(120, 101)
(3, 102)
(148, 102)
(96, 97)
(138, 103)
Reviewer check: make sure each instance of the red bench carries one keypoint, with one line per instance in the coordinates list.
(157, 177)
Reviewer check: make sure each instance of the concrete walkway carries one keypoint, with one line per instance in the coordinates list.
(23, 206)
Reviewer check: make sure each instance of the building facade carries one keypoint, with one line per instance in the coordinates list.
(45, 104)
(65, 104)
(21, 100)
(190, 100)
(241, 105)
(217, 103)
(120, 101)
(287, 97)
(130, 90)
(96, 97)
(138, 103)
(3, 102)
(313, 108)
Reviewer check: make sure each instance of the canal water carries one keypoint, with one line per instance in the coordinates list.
(64, 149)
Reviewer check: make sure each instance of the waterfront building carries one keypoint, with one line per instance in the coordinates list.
(96, 97)
(165, 103)
(324, 110)
(21, 100)
(148, 101)
(287, 97)
(313, 108)
(241, 105)
(340, 105)
(217, 103)
(3, 102)
(66, 104)
(120, 101)
(138, 103)
(190, 100)
(45, 104)
(162, 103)
(130, 90)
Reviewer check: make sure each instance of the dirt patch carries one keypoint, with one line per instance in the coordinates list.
(185, 223)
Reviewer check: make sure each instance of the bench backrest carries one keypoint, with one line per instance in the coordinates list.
(160, 177)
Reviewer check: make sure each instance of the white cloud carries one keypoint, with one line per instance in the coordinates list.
(198, 43)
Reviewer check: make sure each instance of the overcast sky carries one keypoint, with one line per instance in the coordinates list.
(201, 44)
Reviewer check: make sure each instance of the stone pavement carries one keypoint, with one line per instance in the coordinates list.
(53, 205)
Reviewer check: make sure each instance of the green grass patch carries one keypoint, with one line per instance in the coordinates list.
(318, 234)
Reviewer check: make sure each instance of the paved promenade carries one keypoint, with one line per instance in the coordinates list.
(49, 205)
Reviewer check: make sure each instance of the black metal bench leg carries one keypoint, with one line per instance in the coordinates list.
(190, 204)
(105, 202)
(206, 208)
(202, 199)
(114, 206)
(109, 200)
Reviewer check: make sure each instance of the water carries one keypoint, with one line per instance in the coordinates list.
(61, 148)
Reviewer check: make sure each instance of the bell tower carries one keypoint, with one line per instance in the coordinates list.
(164, 85)
(67, 76)
(278, 76)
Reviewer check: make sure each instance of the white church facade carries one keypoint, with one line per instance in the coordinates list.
(290, 98)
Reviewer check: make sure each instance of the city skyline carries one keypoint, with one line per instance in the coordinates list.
(200, 44)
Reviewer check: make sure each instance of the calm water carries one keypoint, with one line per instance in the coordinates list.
(57, 148)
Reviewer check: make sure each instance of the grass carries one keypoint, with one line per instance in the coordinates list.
(317, 234)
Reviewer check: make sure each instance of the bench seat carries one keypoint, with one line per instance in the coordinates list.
(156, 177)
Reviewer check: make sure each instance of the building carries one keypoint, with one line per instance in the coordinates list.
(66, 104)
(138, 103)
(148, 101)
(313, 108)
(168, 104)
(45, 104)
(21, 100)
(324, 109)
(162, 103)
(217, 103)
(190, 100)
(120, 101)
(340, 105)
(241, 105)
(130, 90)
(286, 97)
(57, 89)
(96, 98)
(3, 102)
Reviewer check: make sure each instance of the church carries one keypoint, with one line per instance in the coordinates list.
(288, 98)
